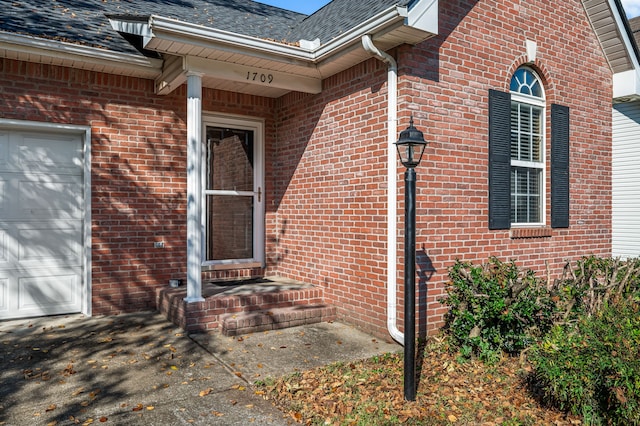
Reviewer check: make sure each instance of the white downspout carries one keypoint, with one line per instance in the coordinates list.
(392, 186)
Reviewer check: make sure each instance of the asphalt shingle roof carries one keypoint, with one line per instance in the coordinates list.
(339, 16)
(86, 21)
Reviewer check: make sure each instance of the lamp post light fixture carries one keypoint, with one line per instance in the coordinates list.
(410, 147)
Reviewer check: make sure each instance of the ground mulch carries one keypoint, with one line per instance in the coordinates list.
(450, 391)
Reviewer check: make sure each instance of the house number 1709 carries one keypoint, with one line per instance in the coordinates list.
(263, 78)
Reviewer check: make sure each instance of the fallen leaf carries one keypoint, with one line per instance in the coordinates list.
(206, 392)
(51, 407)
(103, 419)
(137, 407)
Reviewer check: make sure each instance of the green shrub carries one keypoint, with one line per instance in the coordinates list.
(494, 308)
(592, 367)
(594, 282)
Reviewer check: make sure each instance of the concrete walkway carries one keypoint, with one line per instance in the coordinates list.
(139, 369)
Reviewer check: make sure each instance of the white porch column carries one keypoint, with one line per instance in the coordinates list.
(194, 193)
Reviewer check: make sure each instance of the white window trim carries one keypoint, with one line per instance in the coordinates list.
(539, 102)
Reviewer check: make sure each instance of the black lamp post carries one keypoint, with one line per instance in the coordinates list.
(410, 146)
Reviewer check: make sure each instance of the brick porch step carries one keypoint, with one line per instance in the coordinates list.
(253, 306)
(275, 319)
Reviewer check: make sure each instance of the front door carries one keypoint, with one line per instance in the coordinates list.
(233, 192)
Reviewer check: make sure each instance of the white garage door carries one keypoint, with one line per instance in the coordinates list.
(41, 223)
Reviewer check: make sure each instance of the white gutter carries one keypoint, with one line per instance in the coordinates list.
(392, 185)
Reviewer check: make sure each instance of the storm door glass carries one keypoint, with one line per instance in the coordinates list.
(230, 194)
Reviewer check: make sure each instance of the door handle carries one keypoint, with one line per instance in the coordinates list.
(259, 194)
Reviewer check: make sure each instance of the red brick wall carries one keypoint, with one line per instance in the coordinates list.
(138, 168)
(326, 161)
(331, 192)
(331, 205)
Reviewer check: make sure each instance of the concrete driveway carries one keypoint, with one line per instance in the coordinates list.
(139, 369)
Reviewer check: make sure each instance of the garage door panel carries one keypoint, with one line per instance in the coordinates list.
(4, 296)
(44, 152)
(49, 243)
(4, 149)
(4, 247)
(49, 293)
(3, 197)
(54, 199)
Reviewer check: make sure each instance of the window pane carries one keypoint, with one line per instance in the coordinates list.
(229, 159)
(536, 133)
(526, 132)
(516, 130)
(526, 195)
(526, 82)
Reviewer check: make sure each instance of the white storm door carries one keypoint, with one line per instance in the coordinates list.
(41, 223)
(233, 193)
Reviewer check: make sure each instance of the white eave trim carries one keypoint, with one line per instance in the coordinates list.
(626, 86)
(423, 15)
(166, 29)
(59, 51)
(389, 17)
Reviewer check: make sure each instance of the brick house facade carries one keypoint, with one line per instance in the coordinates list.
(326, 212)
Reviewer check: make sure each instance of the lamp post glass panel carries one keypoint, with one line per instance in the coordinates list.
(410, 147)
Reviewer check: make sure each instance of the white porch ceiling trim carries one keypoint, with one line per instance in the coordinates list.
(243, 74)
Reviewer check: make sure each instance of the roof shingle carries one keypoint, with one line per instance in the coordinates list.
(86, 21)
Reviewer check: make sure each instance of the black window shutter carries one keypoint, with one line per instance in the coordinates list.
(559, 166)
(499, 160)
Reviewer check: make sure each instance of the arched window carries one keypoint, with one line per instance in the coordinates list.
(527, 148)
(517, 158)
